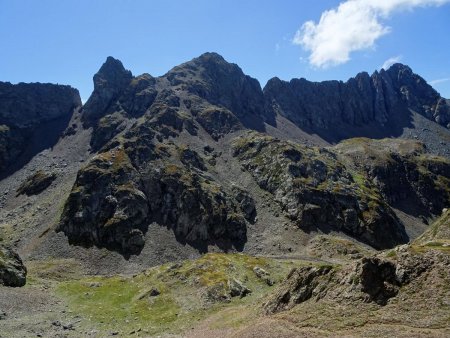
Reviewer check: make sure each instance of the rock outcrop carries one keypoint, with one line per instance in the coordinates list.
(406, 176)
(12, 270)
(371, 279)
(27, 107)
(36, 183)
(109, 82)
(139, 181)
(317, 191)
(136, 180)
(300, 285)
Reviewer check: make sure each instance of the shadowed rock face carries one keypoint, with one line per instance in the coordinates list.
(25, 108)
(29, 104)
(359, 101)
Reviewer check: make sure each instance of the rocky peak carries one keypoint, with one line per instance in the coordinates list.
(111, 79)
(211, 57)
(418, 95)
(212, 78)
(402, 76)
(112, 74)
(401, 73)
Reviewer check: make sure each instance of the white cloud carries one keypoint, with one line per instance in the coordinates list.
(389, 62)
(353, 25)
(435, 82)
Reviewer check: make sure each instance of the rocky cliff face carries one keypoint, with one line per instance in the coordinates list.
(24, 108)
(28, 104)
(358, 101)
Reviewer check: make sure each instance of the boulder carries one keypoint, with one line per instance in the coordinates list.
(12, 270)
(237, 288)
(263, 275)
(36, 183)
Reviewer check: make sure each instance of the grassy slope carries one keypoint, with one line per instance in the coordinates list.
(187, 294)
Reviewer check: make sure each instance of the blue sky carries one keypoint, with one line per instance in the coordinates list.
(67, 41)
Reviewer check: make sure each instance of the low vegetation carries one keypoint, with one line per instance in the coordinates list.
(166, 298)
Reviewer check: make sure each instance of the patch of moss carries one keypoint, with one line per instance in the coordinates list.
(55, 269)
(172, 169)
(444, 247)
(112, 302)
(391, 253)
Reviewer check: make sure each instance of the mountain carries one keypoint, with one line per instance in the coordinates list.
(156, 170)
(151, 168)
(198, 151)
